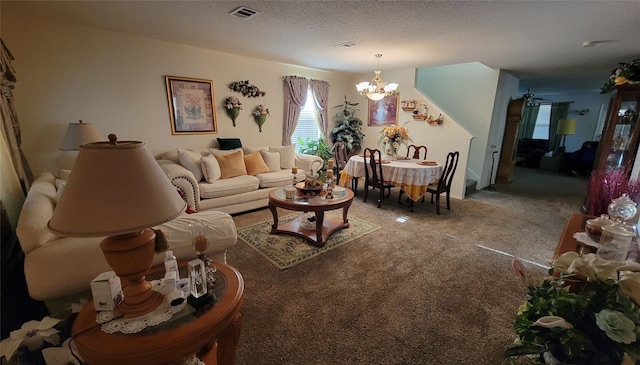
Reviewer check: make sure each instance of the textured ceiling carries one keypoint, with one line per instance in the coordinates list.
(539, 42)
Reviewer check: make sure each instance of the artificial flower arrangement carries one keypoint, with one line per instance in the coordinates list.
(587, 313)
(246, 89)
(606, 186)
(625, 73)
(391, 137)
(233, 107)
(260, 115)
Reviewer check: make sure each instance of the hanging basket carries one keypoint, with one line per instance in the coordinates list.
(260, 119)
(233, 113)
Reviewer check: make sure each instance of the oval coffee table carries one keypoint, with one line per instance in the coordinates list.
(342, 198)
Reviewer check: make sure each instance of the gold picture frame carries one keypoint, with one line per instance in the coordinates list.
(192, 105)
(383, 111)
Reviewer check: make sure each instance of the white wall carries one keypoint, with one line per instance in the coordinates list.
(116, 81)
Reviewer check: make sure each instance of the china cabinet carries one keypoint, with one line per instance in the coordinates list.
(620, 136)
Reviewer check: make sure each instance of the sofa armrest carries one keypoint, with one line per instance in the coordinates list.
(184, 181)
(304, 161)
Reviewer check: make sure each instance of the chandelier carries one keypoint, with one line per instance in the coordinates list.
(377, 89)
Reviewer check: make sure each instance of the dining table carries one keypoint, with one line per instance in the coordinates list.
(413, 176)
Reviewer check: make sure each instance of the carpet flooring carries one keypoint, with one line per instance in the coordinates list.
(285, 251)
(423, 289)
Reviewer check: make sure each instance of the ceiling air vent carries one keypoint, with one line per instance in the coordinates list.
(244, 12)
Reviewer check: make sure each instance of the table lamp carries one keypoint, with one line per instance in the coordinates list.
(117, 189)
(79, 134)
(565, 127)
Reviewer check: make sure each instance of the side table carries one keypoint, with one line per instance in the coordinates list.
(211, 332)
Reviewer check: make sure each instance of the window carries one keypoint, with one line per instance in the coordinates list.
(307, 123)
(541, 129)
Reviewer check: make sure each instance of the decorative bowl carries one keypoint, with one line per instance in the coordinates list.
(308, 192)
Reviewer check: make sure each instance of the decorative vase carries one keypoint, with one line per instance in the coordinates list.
(233, 114)
(392, 153)
(260, 119)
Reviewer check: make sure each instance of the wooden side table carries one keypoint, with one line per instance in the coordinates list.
(212, 331)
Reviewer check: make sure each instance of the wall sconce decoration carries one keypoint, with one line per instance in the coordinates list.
(246, 89)
(436, 121)
(408, 105)
(233, 107)
(260, 115)
(421, 113)
(583, 111)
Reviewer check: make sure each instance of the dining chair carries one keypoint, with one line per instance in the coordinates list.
(341, 155)
(373, 177)
(414, 151)
(443, 185)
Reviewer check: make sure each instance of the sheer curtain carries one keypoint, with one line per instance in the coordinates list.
(320, 93)
(295, 95)
(528, 123)
(558, 111)
(10, 124)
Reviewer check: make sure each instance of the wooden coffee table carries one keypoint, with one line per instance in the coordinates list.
(342, 198)
(211, 332)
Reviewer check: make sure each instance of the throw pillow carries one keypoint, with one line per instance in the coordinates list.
(272, 159)
(191, 161)
(231, 165)
(255, 164)
(229, 143)
(210, 168)
(218, 152)
(251, 149)
(60, 184)
(287, 155)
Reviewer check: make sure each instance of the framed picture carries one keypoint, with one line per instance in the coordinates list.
(382, 112)
(191, 105)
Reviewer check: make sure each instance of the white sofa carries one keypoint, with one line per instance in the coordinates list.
(57, 267)
(238, 193)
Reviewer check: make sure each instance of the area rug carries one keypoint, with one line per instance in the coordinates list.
(285, 251)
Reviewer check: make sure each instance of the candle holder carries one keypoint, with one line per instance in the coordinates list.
(331, 181)
(294, 171)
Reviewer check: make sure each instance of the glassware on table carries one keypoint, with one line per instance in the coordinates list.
(201, 238)
(616, 238)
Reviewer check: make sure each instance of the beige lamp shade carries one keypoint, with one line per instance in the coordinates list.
(114, 188)
(566, 126)
(79, 134)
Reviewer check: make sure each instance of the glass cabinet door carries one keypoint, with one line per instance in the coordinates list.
(619, 142)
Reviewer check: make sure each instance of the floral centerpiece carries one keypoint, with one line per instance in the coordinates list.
(587, 313)
(260, 115)
(391, 137)
(625, 73)
(233, 107)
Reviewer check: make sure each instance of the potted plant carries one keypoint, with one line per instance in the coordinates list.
(348, 128)
(586, 312)
(318, 148)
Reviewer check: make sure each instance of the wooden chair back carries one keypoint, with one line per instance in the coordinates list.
(444, 184)
(341, 155)
(373, 168)
(414, 151)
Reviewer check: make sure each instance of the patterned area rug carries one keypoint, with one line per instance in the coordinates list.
(285, 251)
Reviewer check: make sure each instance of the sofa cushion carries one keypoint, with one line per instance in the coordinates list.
(190, 159)
(287, 155)
(272, 159)
(255, 164)
(227, 187)
(276, 179)
(210, 168)
(251, 149)
(229, 143)
(232, 164)
(219, 152)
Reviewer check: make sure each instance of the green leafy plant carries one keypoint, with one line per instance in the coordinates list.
(625, 73)
(587, 313)
(348, 127)
(318, 148)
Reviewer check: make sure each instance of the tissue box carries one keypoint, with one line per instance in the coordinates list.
(106, 290)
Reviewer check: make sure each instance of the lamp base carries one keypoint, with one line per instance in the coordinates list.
(130, 256)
